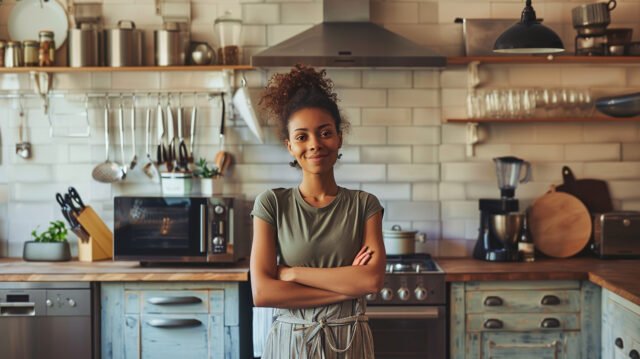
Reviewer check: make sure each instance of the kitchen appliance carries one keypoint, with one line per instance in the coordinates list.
(347, 38)
(493, 244)
(171, 44)
(54, 320)
(181, 229)
(590, 44)
(408, 316)
(123, 45)
(617, 234)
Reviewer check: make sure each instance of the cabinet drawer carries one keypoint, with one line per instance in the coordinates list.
(178, 301)
(174, 336)
(523, 301)
(530, 345)
(523, 322)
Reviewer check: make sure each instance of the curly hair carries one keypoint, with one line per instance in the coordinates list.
(303, 87)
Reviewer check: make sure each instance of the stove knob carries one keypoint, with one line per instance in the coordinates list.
(403, 293)
(371, 296)
(49, 303)
(386, 294)
(218, 209)
(421, 293)
(71, 302)
(218, 241)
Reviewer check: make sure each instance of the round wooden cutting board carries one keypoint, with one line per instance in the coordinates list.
(560, 224)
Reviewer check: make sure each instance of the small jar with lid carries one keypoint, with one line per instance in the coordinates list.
(30, 50)
(47, 51)
(228, 30)
(2, 46)
(13, 54)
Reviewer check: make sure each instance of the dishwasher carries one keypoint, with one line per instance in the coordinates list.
(49, 320)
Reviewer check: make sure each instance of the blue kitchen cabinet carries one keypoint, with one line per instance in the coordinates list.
(525, 319)
(620, 327)
(175, 320)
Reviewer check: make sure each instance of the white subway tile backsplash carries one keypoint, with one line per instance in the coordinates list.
(426, 79)
(454, 98)
(386, 116)
(428, 12)
(558, 133)
(414, 98)
(345, 79)
(414, 211)
(362, 98)
(454, 78)
(394, 12)
(631, 151)
(386, 79)
(427, 116)
(413, 172)
(261, 13)
(451, 191)
(310, 13)
(135, 80)
(425, 154)
(265, 154)
(627, 190)
(612, 170)
(573, 76)
(539, 153)
(389, 191)
(402, 135)
(385, 154)
(459, 209)
(552, 172)
(360, 173)
(366, 136)
(279, 33)
(449, 10)
(604, 132)
(265, 173)
(594, 152)
(427, 191)
(452, 153)
(467, 172)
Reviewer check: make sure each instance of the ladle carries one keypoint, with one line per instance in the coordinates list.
(149, 168)
(23, 148)
(107, 171)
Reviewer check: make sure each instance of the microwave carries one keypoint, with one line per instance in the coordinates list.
(181, 229)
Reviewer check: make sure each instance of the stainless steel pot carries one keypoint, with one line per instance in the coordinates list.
(397, 241)
(85, 46)
(124, 45)
(171, 45)
(592, 19)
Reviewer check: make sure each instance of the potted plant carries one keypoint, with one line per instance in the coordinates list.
(209, 178)
(50, 245)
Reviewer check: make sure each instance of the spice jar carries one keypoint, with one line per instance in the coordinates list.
(46, 55)
(2, 46)
(13, 54)
(228, 32)
(30, 50)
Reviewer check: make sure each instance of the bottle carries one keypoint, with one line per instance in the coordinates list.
(525, 243)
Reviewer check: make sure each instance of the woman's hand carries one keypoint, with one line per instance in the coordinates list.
(363, 257)
(285, 273)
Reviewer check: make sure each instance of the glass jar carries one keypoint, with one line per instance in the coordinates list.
(228, 32)
(13, 54)
(2, 46)
(46, 55)
(30, 50)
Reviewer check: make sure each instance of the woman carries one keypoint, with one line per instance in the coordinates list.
(328, 239)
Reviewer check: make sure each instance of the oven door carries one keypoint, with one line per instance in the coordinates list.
(157, 228)
(408, 332)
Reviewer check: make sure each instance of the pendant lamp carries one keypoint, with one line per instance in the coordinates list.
(528, 36)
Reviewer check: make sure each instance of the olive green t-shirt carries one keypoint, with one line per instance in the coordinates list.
(307, 236)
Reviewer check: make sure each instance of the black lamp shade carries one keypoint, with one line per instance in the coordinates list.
(528, 36)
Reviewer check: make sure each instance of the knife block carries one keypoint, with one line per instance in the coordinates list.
(100, 243)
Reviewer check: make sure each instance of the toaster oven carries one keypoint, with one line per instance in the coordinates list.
(616, 234)
(181, 229)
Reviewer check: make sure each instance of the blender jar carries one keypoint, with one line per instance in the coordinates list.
(228, 30)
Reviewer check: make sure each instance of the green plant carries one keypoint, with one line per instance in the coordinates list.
(57, 232)
(204, 171)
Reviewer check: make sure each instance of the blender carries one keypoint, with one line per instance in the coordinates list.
(500, 222)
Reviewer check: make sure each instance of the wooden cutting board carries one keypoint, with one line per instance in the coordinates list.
(592, 192)
(560, 224)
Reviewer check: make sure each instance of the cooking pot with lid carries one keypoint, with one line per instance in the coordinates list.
(85, 44)
(397, 241)
(124, 45)
(592, 19)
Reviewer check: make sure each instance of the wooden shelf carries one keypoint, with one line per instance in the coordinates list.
(544, 119)
(65, 69)
(544, 59)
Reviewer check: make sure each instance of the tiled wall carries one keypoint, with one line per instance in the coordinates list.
(398, 147)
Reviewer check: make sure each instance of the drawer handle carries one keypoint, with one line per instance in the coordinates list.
(550, 300)
(634, 354)
(174, 323)
(550, 323)
(493, 324)
(174, 300)
(492, 301)
(619, 343)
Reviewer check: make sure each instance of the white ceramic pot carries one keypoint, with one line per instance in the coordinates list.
(399, 242)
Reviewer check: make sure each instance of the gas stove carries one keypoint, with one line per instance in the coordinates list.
(411, 280)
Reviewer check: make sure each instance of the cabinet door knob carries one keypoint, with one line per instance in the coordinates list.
(493, 324)
(619, 343)
(634, 354)
(493, 301)
(550, 300)
(550, 323)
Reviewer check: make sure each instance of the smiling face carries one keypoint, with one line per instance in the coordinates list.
(314, 140)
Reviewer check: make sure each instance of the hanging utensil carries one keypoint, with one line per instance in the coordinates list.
(107, 171)
(23, 148)
(162, 151)
(182, 147)
(134, 157)
(171, 153)
(192, 127)
(149, 168)
(222, 159)
(121, 130)
(242, 102)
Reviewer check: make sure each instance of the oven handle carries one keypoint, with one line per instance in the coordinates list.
(402, 312)
(203, 228)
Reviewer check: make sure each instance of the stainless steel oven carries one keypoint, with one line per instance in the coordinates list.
(408, 316)
(181, 229)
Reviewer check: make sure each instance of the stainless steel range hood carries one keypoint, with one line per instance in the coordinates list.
(347, 38)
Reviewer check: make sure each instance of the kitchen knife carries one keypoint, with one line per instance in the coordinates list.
(162, 152)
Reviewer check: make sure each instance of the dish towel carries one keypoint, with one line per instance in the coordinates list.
(262, 321)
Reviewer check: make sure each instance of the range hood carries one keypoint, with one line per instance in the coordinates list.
(347, 38)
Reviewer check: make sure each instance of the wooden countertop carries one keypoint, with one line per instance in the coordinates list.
(621, 276)
(17, 270)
